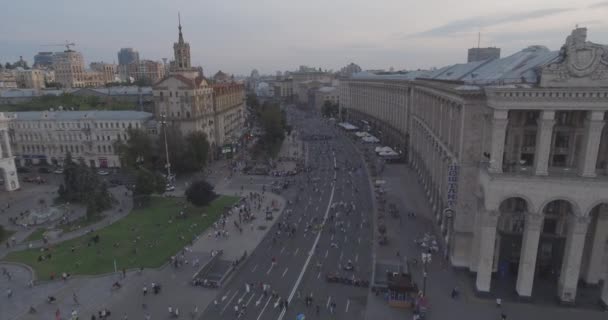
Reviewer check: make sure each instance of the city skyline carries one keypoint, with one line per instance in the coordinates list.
(396, 34)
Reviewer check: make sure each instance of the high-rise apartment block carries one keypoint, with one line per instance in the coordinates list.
(43, 59)
(127, 56)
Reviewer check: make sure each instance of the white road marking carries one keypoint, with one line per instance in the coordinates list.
(341, 253)
(296, 253)
(266, 305)
(243, 296)
(270, 269)
(254, 267)
(317, 208)
(228, 303)
(347, 304)
(276, 304)
(283, 249)
(312, 251)
(345, 238)
(284, 272)
(359, 240)
(253, 295)
(226, 295)
(319, 275)
(332, 238)
(326, 253)
(259, 300)
(356, 257)
(328, 301)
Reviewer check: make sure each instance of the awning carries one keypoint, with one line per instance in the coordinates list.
(347, 126)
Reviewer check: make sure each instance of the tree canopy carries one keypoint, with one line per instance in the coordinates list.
(200, 193)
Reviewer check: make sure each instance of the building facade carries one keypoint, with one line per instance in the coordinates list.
(107, 71)
(480, 54)
(46, 137)
(324, 94)
(229, 112)
(146, 70)
(8, 171)
(43, 59)
(126, 56)
(513, 159)
(30, 79)
(70, 71)
(7, 80)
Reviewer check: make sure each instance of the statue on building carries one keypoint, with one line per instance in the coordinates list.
(580, 63)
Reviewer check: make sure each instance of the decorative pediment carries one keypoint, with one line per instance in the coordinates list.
(580, 64)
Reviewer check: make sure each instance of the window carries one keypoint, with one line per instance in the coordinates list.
(561, 140)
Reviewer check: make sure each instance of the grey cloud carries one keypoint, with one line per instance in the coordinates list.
(474, 23)
(598, 5)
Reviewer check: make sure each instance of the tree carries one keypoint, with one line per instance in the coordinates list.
(8, 66)
(138, 150)
(329, 109)
(200, 193)
(82, 185)
(196, 152)
(252, 101)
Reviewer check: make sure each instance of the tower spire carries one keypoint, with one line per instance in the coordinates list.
(179, 24)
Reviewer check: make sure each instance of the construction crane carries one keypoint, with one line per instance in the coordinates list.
(67, 45)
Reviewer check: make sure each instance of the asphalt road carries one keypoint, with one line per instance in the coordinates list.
(321, 200)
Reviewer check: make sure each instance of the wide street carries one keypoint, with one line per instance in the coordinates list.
(331, 212)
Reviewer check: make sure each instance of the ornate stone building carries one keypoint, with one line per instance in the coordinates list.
(8, 171)
(45, 137)
(186, 100)
(513, 156)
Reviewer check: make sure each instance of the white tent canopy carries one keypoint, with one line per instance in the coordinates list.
(361, 134)
(347, 126)
(383, 149)
(370, 139)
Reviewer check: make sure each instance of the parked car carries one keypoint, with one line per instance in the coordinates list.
(58, 171)
(103, 173)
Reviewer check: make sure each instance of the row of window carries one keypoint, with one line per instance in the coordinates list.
(67, 137)
(74, 125)
(75, 149)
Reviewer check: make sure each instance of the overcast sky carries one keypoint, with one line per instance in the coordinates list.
(237, 36)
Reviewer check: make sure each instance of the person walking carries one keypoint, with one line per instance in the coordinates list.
(75, 298)
(144, 290)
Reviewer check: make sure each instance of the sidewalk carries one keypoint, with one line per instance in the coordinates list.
(110, 216)
(176, 288)
(404, 190)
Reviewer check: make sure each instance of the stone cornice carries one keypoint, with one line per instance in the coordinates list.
(550, 98)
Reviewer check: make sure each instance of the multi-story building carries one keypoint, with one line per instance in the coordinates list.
(126, 56)
(512, 154)
(45, 137)
(283, 89)
(229, 112)
(43, 59)
(481, 54)
(324, 94)
(69, 69)
(184, 99)
(107, 71)
(222, 77)
(7, 80)
(146, 71)
(349, 70)
(30, 78)
(8, 171)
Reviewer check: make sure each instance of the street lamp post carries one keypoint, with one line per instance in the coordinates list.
(426, 258)
(168, 164)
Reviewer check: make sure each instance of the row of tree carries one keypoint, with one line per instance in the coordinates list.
(187, 154)
(273, 121)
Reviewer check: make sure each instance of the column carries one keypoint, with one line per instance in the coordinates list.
(7, 144)
(529, 250)
(594, 123)
(499, 130)
(486, 251)
(571, 264)
(1, 133)
(544, 135)
(604, 299)
(593, 269)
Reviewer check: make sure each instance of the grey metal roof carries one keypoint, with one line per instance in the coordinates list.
(29, 93)
(123, 90)
(79, 115)
(520, 67)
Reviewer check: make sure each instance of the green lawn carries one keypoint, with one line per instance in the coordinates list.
(146, 237)
(36, 235)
